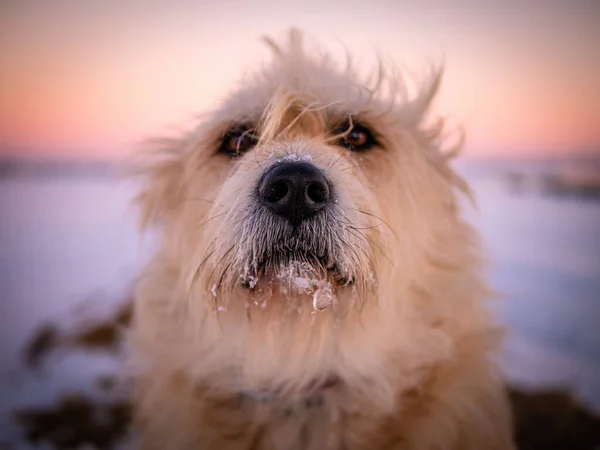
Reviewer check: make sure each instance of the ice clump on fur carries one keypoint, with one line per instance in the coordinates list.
(304, 279)
(252, 281)
(249, 280)
(213, 290)
(323, 297)
(300, 276)
(302, 283)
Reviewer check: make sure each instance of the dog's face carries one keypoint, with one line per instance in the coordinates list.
(306, 194)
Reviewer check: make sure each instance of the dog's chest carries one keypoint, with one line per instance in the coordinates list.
(321, 421)
(303, 425)
(312, 422)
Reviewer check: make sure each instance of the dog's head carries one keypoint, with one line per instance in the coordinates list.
(308, 193)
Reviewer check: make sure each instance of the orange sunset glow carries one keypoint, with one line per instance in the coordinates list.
(90, 79)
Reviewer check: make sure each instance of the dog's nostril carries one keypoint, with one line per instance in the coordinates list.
(276, 191)
(294, 190)
(318, 192)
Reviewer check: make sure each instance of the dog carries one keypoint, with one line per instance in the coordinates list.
(315, 285)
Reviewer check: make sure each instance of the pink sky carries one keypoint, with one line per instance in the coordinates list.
(93, 78)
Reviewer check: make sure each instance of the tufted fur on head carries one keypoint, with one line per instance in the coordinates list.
(374, 306)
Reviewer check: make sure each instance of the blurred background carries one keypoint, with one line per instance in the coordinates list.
(82, 82)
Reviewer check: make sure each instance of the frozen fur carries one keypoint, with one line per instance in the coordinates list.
(228, 357)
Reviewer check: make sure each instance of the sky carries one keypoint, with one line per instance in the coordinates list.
(92, 78)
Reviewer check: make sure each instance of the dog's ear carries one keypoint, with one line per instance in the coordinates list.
(160, 169)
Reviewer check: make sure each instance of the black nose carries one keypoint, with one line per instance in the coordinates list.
(294, 190)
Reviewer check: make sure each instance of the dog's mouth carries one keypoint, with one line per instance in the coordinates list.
(298, 268)
(293, 274)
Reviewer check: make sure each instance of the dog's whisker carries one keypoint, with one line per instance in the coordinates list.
(198, 269)
(204, 222)
(357, 259)
(365, 228)
(373, 245)
(375, 216)
(204, 200)
(332, 165)
(369, 259)
(350, 169)
(217, 267)
(224, 275)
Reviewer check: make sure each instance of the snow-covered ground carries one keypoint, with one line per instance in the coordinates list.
(70, 241)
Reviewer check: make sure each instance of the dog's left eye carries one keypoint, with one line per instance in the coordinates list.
(357, 139)
(237, 141)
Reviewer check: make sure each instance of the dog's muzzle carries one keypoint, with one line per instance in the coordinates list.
(293, 228)
(296, 191)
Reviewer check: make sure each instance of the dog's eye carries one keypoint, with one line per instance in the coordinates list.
(357, 139)
(237, 141)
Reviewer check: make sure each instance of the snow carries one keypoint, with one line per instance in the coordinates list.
(252, 281)
(323, 297)
(295, 157)
(304, 279)
(302, 283)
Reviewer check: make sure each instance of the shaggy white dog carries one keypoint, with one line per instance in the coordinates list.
(315, 285)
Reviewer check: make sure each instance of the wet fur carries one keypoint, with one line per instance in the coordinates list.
(219, 365)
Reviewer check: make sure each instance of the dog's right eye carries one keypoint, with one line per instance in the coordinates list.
(237, 141)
